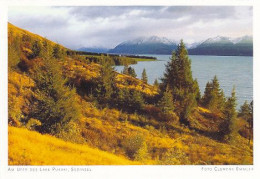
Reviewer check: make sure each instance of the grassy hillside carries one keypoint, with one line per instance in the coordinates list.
(16, 31)
(31, 148)
(81, 112)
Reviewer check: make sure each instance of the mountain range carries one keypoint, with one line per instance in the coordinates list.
(222, 46)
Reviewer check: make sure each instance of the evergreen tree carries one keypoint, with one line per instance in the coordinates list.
(120, 97)
(230, 114)
(178, 77)
(131, 72)
(246, 112)
(196, 90)
(55, 103)
(214, 98)
(36, 49)
(106, 82)
(125, 70)
(136, 101)
(166, 102)
(144, 76)
(57, 52)
(156, 83)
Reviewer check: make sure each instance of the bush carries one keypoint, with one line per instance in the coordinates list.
(70, 132)
(32, 124)
(134, 146)
(175, 156)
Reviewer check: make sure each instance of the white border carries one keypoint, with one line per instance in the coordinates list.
(130, 172)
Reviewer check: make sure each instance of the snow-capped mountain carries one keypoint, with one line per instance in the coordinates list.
(241, 46)
(221, 39)
(149, 40)
(219, 45)
(146, 45)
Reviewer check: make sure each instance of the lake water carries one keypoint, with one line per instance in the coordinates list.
(230, 70)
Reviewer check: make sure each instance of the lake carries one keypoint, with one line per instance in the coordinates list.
(230, 70)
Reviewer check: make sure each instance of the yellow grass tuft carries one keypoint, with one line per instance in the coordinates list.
(31, 148)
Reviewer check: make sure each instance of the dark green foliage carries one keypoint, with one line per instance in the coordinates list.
(106, 83)
(214, 98)
(196, 90)
(57, 52)
(246, 112)
(36, 49)
(230, 114)
(156, 83)
(178, 78)
(129, 71)
(14, 52)
(129, 100)
(125, 70)
(144, 76)
(136, 100)
(166, 102)
(55, 104)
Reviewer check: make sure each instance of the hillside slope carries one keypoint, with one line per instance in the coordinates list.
(106, 132)
(31, 148)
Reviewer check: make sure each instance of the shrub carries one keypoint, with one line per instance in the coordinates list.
(133, 144)
(32, 124)
(70, 132)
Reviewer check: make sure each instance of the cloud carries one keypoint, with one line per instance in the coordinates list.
(107, 26)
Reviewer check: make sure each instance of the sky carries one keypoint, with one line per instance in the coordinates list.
(107, 26)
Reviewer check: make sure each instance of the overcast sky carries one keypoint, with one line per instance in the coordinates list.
(101, 26)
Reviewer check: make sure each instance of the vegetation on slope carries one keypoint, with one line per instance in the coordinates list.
(31, 148)
(168, 123)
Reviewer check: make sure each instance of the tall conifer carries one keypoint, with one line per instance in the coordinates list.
(178, 77)
(144, 76)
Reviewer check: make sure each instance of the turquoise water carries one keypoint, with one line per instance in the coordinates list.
(230, 70)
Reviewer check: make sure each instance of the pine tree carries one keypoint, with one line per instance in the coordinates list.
(166, 102)
(196, 90)
(125, 70)
(57, 52)
(144, 76)
(156, 83)
(178, 77)
(120, 97)
(55, 103)
(36, 49)
(246, 112)
(136, 100)
(230, 114)
(131, 72)
(214, 98)
(106, 81)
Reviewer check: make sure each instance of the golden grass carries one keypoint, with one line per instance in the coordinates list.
(31, 148)
(104, 130)
(16, 31)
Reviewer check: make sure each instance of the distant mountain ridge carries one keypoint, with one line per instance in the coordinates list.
(93, 49)
(143, 45)
(219, 45)
(225, 46)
